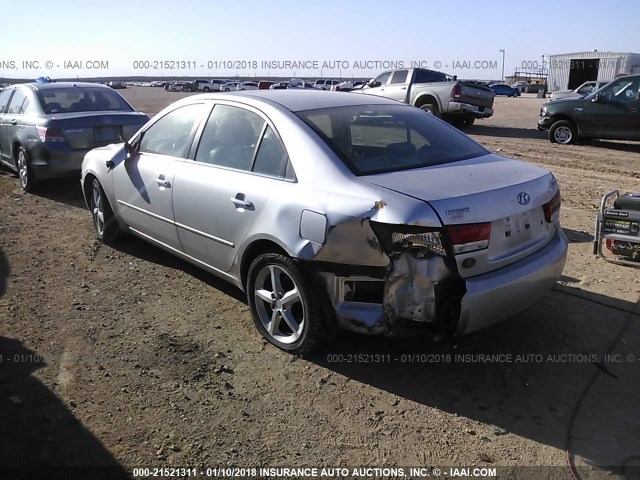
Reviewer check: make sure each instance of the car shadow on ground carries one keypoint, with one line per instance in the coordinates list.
(138, 248)
(63, 190)
(507, 132)
(533, 376)
(40, 436)
(615, 145)
(577, 236)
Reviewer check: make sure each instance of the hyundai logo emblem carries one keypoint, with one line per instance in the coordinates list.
(523, 198)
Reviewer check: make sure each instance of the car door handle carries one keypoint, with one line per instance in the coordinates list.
(239, 201)
(163, 182)
(403, 88)
(14, 122)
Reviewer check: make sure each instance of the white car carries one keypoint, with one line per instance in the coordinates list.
(248, 86)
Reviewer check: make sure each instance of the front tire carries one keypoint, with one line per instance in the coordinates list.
(286, 309)
(563, 132)
(27, 178)
(104, 221)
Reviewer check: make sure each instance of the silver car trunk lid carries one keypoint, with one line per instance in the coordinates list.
(506, 193)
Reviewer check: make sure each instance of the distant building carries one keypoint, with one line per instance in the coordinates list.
(570, 70)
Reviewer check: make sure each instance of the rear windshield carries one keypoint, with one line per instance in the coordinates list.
(81, 99)
(372, 139)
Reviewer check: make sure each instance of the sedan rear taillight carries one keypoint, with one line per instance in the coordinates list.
(456, 92)
(50, 134)
(552, 206)
(469, 237)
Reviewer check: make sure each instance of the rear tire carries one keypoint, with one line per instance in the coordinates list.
(27, 178)
(285, 306)
(430, 108)
(563, 132)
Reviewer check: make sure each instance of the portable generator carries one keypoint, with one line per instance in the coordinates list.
(618, 228)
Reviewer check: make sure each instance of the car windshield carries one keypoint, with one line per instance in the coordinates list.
(81, 99)
(373, 139)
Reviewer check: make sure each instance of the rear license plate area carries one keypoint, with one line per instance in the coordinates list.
(103, 134)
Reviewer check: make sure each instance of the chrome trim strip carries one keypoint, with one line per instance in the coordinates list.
(205, 235)
(147, 212)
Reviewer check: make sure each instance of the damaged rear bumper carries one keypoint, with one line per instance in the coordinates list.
(496, 296)
(426, 291)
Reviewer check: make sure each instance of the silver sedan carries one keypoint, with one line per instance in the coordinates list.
(335, 210)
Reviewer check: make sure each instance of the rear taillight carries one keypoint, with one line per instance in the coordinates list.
(552, 206)
(457, 91)
(50, 134)
(469, 237)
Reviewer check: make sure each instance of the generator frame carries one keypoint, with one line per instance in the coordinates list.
(601, 235)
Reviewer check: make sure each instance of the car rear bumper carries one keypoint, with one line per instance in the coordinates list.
(56, 162)
(466, 108)
(498, 295)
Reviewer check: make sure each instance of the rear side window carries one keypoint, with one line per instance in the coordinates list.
(427, 76)
(81, 99)
(4, 99)
(15, 106)
(230, 137)
(271, 158)
(400, 76)
(172, 134)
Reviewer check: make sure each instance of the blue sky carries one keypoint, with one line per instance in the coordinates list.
(201, 34)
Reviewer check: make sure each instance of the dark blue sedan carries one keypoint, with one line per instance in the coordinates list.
(502, 89)
(46, 128)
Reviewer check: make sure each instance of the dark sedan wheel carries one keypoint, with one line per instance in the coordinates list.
(25, 172)
(107, 228)
(206, 89)
(563, 132)
(285, 308)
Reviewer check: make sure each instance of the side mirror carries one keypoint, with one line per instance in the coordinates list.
(597, 98)
(373, 84)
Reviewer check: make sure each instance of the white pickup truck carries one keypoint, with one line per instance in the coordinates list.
(456, 101)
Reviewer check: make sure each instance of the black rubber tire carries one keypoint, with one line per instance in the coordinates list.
(567, 127)
(29, 182)
(111, 231)
(206, 89)
(314, 329)
(431, 108)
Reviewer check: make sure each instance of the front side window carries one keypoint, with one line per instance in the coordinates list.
(382, 79)
(230, 137)
(172, 134)
(623, 90)
(374, 139)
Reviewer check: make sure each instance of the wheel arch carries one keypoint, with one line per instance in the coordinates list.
(253, 250)
(427, 98)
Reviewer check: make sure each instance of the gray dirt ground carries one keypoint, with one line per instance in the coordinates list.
(129, 357)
